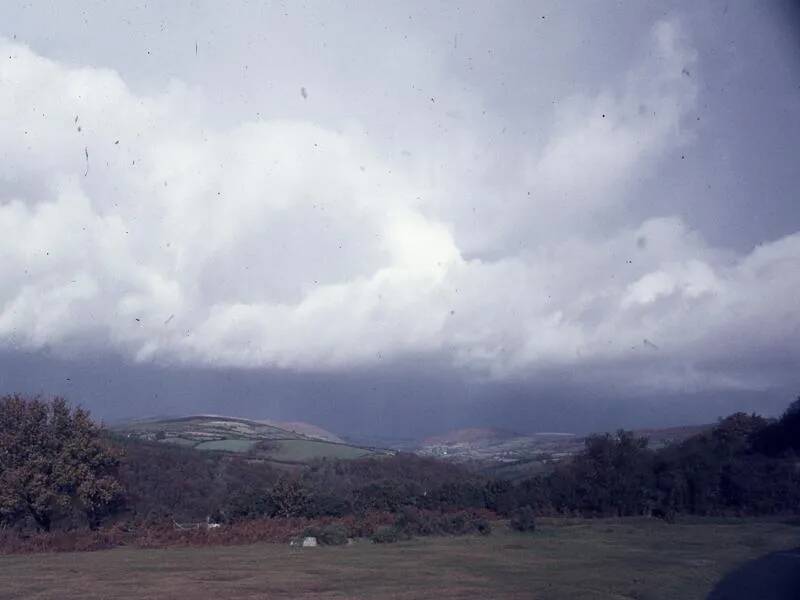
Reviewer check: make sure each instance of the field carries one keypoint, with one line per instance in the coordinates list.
(305, 450)
(627, 558)
(229, 434)
(227, 445)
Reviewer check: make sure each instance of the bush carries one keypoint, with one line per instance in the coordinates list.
(482, 526)
(465, 523)
(333, 534)
(523, 519)
(412, 521)
(326, 505)
(363, 526)
(387, 535)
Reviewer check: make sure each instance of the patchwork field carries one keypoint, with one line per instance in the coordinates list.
(627, 558)
(258, 438)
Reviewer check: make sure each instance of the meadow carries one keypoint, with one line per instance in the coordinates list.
(302, 451)
(635, 558)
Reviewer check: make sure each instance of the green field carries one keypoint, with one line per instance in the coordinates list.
(289, 451)
(227, 445)
(179, 442)
(630, 558)
(300, 451)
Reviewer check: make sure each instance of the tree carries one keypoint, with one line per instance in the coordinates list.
(53, 462)
(611, 476)
(289, 498)
(500, 496)
(783, 435)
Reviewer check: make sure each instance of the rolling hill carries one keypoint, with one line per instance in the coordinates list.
(290, 443)
(307, 430)
(511, 455)
(470, 436)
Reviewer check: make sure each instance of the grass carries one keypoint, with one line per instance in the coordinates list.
(289, 451)
(179, 442)
(227, 445)
(626, 558)
(300, 451)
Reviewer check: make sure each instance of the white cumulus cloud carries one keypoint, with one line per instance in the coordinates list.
(127, 224)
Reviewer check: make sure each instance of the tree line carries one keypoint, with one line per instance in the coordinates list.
(60, 470)
(745, 465)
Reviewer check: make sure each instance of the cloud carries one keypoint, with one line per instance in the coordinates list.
(130, 225)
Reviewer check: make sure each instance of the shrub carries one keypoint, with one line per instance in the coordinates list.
(412, 521)
(327, 505)
(332, 534)
(387, 535)
(482, 525)
(465, 523)
(523, 519)
(666, 514)
(289, 498)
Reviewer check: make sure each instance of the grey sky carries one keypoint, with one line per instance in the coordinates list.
(554, 198)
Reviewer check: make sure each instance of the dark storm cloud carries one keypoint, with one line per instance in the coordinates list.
(405, 402)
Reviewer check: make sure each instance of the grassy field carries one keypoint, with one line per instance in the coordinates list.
(630, 558)
(301, 451)
(227, 445)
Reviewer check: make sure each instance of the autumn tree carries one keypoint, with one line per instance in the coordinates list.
(289, 498)
(53, 463)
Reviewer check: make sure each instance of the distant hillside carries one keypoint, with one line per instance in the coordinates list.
(469, 436)
(670, 435)
(307, 430)
(297, 443)
(495, 446)
(505, 452)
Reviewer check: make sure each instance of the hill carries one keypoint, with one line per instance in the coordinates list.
(471, 436)
(499, 446)
(307, 430)
(658, 438)
(292, 443)
(502, 453)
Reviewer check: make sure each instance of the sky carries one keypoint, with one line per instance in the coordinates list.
(395, 218)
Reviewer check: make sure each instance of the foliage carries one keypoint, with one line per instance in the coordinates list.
(613, 475)
(387, 535)
(783, 436)
(523, 519)
(171, 482)
(54, 464)
(58, 468)
(413, 522)
(288, 498)
(743, 466)
(331, 534)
